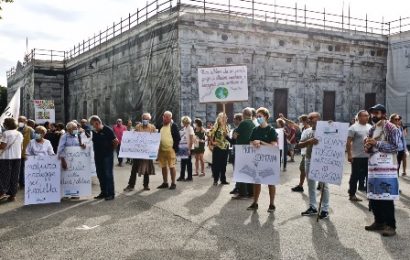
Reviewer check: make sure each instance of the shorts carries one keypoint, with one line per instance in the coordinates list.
(302, 164)
(167, 158)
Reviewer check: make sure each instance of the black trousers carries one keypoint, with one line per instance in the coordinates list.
(383, 211)
(219, 162)
(133, 176)
(359, 174)
(186, 164)
(21, 173)
(118, 154)
(400, 156)
(9, 176)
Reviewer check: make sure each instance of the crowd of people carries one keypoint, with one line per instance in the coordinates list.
(251, 127)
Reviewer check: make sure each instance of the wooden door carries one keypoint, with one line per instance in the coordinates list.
(329, 102)
(280, 104)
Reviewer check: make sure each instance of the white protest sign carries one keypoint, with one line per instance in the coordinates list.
(281, 138)
(223, 84)
(381, 159)
(44, 111)
(183, 151)
(76, 180)
(140, 145)
(257, 165)
(382, 180)
(42, 179)
(329, 154)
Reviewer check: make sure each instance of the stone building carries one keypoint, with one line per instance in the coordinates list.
(152, 66)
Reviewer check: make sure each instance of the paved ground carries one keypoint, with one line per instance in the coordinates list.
(199, 221)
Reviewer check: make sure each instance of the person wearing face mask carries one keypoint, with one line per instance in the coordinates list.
(142, 166)
(383, 137)
(39, 145)
(70, 138)
(28, 135)
(264, 134)
(187, 137)
(119, 130)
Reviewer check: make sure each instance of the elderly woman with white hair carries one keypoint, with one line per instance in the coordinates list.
(187, 138)
(39, 145)
(70, 138)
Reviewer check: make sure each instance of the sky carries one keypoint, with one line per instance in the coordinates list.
(59, 24)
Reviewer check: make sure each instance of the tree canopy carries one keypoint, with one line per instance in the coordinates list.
(3, 98)
(4, 1)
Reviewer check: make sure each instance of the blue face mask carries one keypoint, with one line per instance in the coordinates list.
(37, 136)
(260, 120)
(75, 132)
(145, 122)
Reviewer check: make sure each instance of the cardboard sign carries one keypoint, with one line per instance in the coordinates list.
(140, 145)
(257, 165)
(223, 84)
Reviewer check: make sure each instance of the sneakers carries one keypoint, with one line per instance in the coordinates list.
(99, 197)
(180, 179)
(324, 215)
(309, 212)
(109, 197)
(389, 231)
(225, 183)
(146, 188)
(163, 186)
(297, 189)
(173, 186)
(254, 206)
(271, 208)
(129, 188)
(354, 198)
(215, 183)
(375, 227)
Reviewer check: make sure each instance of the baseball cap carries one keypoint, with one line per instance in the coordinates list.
(378, 107)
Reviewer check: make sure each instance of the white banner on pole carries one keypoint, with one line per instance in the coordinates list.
(12, 109)
(223, 84)
(42, 180)
(329, 154)
(76, 180)
(257, 165)
(140, 145)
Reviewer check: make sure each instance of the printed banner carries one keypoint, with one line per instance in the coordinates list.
(42, 180)
(140, 145)
(382, 181)
(76, 180)
(328, 155)
(183, 151)
(257, 165)
(223, 84)
(44, 111)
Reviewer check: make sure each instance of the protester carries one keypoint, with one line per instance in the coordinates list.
(220, 146)
(60, 128)
(85, 127)
(309, 141)
(356, 154)
(242, 134)
(28, 135)
(53, 136)
(119, 130)
(291, 141)
(303, 119)
(104, 142)
(69, 139)
(169, 146)
(264, 134)
(10, 159)
(237, 119)
(142, 166)
(199, 147)
(383, 137)
(254, 119)
(402, 146)
(31, 123)
(39, 145)
(280, 123)
(187, 136)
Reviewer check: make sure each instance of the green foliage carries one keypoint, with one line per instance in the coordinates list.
(3, 98)
(5, 1)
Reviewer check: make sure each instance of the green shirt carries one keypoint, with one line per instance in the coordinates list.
(267, 134)
(244, 131)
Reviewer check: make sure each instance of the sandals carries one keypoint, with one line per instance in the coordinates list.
(196, 174)
(202, 174)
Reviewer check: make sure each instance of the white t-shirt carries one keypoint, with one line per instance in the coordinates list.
(36, 148)
(185, 133)
(14, 141)
(302, 137)
(358, 133)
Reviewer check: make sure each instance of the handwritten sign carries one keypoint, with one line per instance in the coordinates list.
(223, 84)
(382, 181)
(140, 145)
(76, 180)
(329, 154)
(44, 111)
(42, 179)
(257, 165)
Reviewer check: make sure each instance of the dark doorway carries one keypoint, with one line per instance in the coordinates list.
(280, 104)
(369, 100)
(228, 110)
(329, 101)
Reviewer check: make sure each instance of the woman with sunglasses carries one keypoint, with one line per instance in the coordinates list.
(402, 147)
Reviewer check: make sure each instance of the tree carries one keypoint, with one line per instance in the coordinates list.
(5, 1)
(3, 98)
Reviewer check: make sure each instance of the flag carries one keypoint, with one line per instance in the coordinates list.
(12, 109)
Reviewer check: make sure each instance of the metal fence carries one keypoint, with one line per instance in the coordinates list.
(252, 9)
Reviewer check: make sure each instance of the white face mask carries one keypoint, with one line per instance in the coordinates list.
(21, 124)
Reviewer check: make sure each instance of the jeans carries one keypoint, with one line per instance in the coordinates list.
(118, 154)
(186, 163)
(359, 174)
(104, 167)
(312, 190)
(383, 211)
(219, 162)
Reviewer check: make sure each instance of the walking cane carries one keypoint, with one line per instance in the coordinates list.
(322, 187)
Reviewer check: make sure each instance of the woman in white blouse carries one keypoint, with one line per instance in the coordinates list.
(39, 145)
